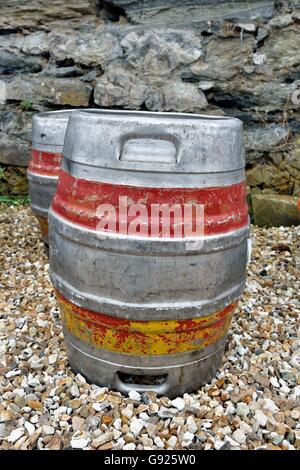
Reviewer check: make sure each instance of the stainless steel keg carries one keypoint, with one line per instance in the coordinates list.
(143, 309)
(48, 135)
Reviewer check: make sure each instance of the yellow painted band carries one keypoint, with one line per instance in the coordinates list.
(144, 337)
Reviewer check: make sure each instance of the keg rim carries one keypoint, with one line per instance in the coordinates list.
(59, 113)
(49, 129)
(106, 112)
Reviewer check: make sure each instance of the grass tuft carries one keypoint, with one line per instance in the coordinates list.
(15, 200)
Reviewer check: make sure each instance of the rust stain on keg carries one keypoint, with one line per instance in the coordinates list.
(144, 337)
(43, 222)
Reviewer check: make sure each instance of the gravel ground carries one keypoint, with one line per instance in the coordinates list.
(253, 403)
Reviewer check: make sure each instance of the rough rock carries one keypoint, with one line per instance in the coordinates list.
(264, 138)
(13, 180)
(98, 48)
(19, 14)
(179, 403)
(281, 49)
(11, 62)
(195, 11)
(14, 150)
(15, 135)
(37, 90)
(79, 443)
(223, 59)
(134, 395)
(274, 210)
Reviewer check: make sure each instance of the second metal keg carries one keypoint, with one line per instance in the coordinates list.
(48, 135)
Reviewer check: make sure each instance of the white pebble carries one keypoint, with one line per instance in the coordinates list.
(231, 441)
(218, 444)
(274, 382)
(52, 358)
(239, 436)
(172, 442)
(219, 411)
(295, 414)
(12, 373)
(225, 431)
(34, 419)
(178, 403)
(260, 418)
(241, 350)
(188, 436)
(128, 412)
(230, 409)
(206, 424)
(130, 446)
(77, 443)
(191, 425)
(134, 395)
(242, 409)
(117, 424)
(159, 442)
(270, 405)
(74, 391)
(136, 426)
(15, 435)
(120, 442)
(245, 427)
(116, 434)
(144, 416)
(266, 345)
(167, 412)
(97, 406)
(178, 420)
(47, 430)
(79, 378)
(29, 428)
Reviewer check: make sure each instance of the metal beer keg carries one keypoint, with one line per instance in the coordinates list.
(48, 135)
(143, 311)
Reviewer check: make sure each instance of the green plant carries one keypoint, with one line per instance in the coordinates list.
(26, 105)
(15, 200)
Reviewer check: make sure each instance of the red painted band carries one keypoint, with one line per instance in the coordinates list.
(225, 208)
(44, 163)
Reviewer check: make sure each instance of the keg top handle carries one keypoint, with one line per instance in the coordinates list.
(140, 140)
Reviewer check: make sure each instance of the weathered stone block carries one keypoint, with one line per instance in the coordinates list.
(13, 180)
(99, 47)
(15, 137)
(173, 11)
(14, 151)
(273, 210)
(260, 174)
(265, 138)
(224, 58)
(16, 14)
(39, 89)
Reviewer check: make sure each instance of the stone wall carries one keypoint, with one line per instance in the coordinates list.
(235, 58)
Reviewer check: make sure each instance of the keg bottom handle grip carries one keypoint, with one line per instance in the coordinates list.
(160, 389)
